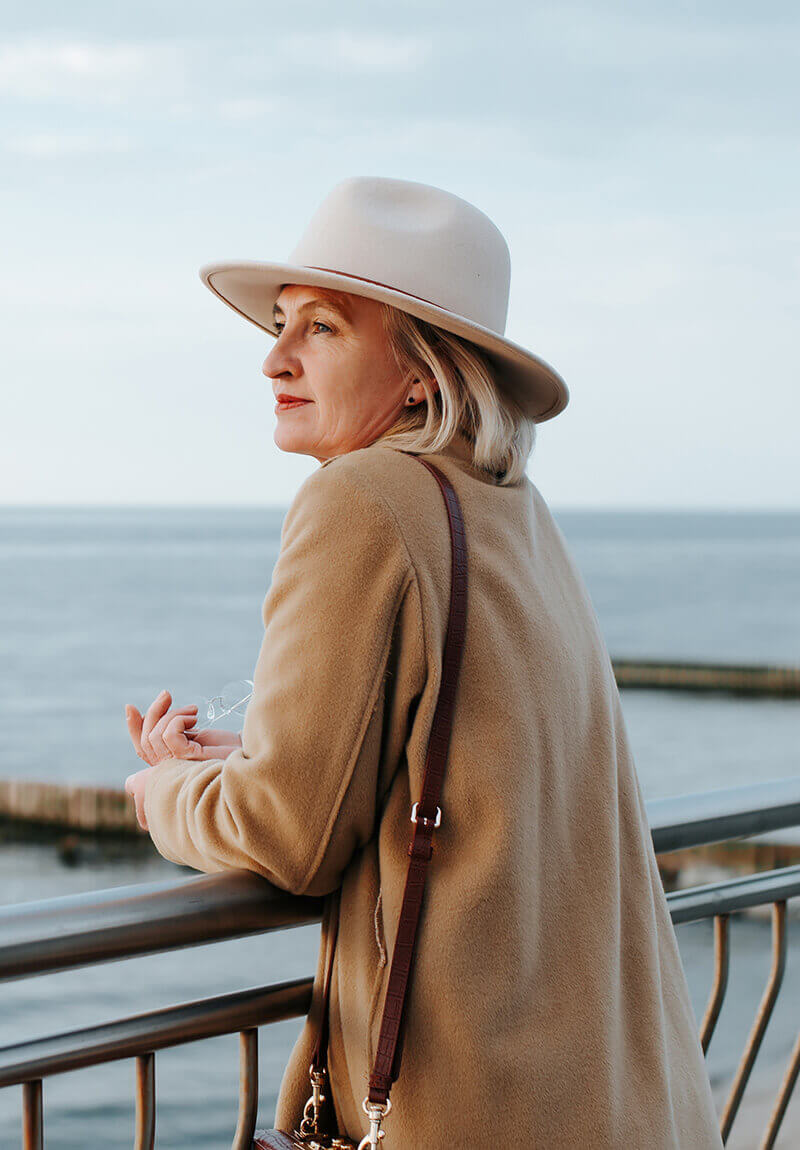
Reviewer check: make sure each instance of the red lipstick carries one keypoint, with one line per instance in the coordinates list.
(285, 401)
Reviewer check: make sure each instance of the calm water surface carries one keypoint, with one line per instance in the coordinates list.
(103, 607)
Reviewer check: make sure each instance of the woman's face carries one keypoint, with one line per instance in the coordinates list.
(332, 352)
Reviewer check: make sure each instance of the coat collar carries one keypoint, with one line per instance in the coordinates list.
(458, 448)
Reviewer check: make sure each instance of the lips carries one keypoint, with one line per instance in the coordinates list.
(283, 401)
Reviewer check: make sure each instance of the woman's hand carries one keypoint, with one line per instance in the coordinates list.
(161, 733)
(135, 785)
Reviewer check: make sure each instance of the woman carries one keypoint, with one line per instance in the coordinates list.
(548, 1005)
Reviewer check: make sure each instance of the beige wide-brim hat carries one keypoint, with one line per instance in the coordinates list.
(419, 248)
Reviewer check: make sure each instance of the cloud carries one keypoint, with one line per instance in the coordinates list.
(41, 71)
(379, 54)
(54, 145)
(369, 53)
(247, 108)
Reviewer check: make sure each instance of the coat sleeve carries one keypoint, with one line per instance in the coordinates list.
(301, 795)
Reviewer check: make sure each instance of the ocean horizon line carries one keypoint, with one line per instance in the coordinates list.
(616, 508)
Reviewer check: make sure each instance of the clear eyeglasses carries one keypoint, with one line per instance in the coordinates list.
(232, 700)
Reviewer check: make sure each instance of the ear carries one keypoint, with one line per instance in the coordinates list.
(413, 386)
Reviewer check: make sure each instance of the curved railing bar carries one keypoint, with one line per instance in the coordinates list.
(763, 1015)
(721, 966)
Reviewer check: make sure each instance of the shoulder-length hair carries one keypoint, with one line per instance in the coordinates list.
(468, 399)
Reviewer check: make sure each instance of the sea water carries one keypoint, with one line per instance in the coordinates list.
(101, 607)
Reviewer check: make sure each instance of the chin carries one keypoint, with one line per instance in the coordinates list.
(286, 441)
(294, 444)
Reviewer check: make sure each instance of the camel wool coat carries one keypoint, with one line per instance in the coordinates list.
(548, 1006)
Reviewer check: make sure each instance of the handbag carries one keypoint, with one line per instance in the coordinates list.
(426, 815)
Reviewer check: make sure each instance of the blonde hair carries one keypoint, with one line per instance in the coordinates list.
(468, 399)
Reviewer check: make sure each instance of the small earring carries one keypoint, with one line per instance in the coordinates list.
(411, 399)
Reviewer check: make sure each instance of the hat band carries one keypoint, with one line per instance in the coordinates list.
(378, 283)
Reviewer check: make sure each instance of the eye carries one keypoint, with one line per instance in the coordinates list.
(317, 323)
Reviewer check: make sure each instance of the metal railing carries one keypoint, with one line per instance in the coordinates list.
(85, 929)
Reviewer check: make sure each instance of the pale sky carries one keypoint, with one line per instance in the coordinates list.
(641, 160)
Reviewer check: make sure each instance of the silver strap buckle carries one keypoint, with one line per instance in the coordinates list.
(422, 818)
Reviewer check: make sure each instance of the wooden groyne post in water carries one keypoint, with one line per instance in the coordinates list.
(73, 814)
(736, 678)
(70, 806)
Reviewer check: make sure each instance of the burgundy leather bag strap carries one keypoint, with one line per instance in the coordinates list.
(426, 815)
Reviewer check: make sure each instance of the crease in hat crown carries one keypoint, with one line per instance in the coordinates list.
(418, 248)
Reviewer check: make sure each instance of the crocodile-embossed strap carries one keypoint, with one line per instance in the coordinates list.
(273, 1140)
(386, 1067)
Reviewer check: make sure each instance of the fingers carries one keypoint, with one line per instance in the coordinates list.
(175, 740)
(161, 733)
(157, 741)
(134, 720)
(147, 731)
(138, 729)
(216, 752)
(184, 747)
(155, 711)
(135, 786)
(215, 738)
(138, 799)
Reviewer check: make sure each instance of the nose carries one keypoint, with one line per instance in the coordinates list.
(278, 363)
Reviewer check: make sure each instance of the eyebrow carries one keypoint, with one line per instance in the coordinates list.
(340, 308)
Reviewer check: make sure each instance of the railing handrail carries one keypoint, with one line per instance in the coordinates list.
(703, 817)
(83, 929)
(154, 1030)
(733, 894)
(257, 1006)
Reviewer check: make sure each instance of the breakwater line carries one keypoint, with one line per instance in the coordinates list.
(734, 678)
(109, 811)
(73, 806)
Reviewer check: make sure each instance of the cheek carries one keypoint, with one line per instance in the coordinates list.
(361, 404)
(341, 388)
(375, 385)
(355, 385)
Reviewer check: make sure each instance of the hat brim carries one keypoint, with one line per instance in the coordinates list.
(251, 289)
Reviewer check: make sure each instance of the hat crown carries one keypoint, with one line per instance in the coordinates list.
(414, 238)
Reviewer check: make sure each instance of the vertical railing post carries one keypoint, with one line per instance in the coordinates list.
(32, 1125)
(145, 1138)
(248, 1089)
